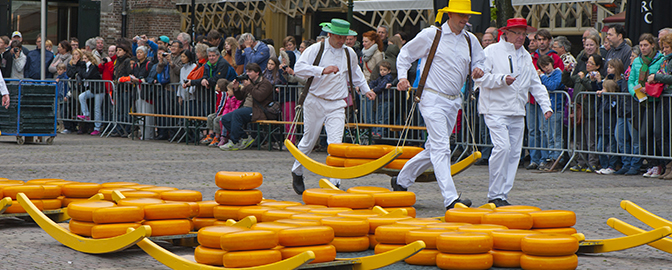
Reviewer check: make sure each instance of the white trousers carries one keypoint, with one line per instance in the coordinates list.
(440, 116)
(506, 133)
(317, 112)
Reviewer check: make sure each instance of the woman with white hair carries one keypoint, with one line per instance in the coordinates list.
(144, 101)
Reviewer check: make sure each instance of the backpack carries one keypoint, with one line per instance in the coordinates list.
(164, 76)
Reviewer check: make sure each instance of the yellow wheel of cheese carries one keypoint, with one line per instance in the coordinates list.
(509, 239)
(61, 183)
(395, 199)
(42, 181)
(306, 236)
(200, 222)
(80, 227)
(365, 151)
(347, 227)
(310, 216)
(238, 197)
(566, 230)
(51, 191)
(52, 204)
(240, 259)
(427, 235)
(351, 162)
(32, 191)
(323, 253)
(338, 149)
(182, 195)
(418, 221)
(300, 222)
(142, 202)
(169, 226)
(368, 190)
(116, 184)
(224, 212)
(107, 192)
(486, 228)
(80, 190)
(111, 230)
(249, 240)
(67, 201)
(553, 219)
(238, 180)
(167, 211)
(394, 233)
(209, 256)
(409, 151)
(382, 248)
(318, 196)
(280, 204)
(332, 211)
(549, 245)
(195, 208)
(255, 211)
(210, 236)
(275, 214)
(361, 214)
(351, 244)
(447, 225)
(273, 226)
(83, 211)
(512, 220)
(464, 261)
(423, 257)
(206, 208)
(305, 207)
(140, 194)
(138, 187)
(517, 208)
(466, 215)
(530, 262)
(158, 189)
(409, 210)
(464, 242)
(8, 181)
(375, 222)
(16, 208)
(506, 258)
(119, 214)
(372, 241)
(335, 161)
(396, 164)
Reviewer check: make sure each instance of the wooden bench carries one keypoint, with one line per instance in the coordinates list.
(191, 123)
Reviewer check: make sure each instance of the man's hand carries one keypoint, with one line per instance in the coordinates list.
(246, 82)
(510, 80)
(477, 73)
(403, 85)
(5, 101)
(330, 69)
(651, 78)
(370, 95)
(204, 82)
(548, 114)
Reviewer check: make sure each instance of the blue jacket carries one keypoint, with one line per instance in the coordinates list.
(259, 54)
(32, 68)
(378, 86)
(553, 82)
(153, 47)
(62, 85)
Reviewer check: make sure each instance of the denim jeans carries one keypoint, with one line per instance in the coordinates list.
(627, 139)
(382, 115)
(97, 109)
(607, 161)
(535, 131)
(235, 121)
(367, 110)
(554, 134)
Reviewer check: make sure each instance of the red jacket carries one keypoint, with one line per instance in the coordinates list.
(107, 73)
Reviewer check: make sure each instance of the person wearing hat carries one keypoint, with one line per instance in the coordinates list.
(440, 100)
(509, 77)
(325, 102)
(16, 35)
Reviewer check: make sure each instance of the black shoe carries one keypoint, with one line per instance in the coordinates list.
(466, 202)
(297, 184)
(115, 134)
(499, 202)
(481, 162)
(395, 186)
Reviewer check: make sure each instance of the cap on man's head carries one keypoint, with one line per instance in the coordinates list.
(165, 39)
(17, 33)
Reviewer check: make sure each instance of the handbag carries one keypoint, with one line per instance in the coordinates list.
(654, 89)
(272, 110)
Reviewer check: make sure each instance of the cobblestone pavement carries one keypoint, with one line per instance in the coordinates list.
(594, 198)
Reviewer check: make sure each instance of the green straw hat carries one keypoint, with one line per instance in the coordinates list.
(338, 27)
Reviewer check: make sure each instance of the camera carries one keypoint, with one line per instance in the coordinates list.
(284, 68)
(165, 54)
(242, 77)
(594, 73)
(185, 81)
(16, 49)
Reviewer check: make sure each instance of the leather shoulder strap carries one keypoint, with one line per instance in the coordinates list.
(309, 82)
(469, 84)
(428, 64)
(351, 86)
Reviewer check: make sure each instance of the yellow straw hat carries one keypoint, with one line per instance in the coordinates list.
(456, 6)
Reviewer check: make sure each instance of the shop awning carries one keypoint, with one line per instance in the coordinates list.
(541, 2)
(382, 5)
(616, 18)
(188, 2)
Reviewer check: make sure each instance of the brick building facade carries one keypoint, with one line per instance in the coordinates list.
(151, 17)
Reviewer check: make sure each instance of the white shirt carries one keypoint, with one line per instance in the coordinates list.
(500, 99)
(450, 66)
(3, 87)
(330, 86)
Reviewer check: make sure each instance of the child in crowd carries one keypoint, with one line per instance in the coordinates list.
(230, 103)
(379, 86)
(62, 82)
(227, 104)
(551, 130)
(606, 115)
(273, 73)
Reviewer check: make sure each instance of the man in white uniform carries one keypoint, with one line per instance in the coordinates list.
(4, 93)
(325, 102)
(509, 77)
(440, 100)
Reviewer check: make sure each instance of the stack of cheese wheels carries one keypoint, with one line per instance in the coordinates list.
(78, 192)
(554, 221)
(506, 250)
(206, 216)
(427, 256)
(43, 196)
(168, 218)
(466, 215)
(549, 251)
(393, 236)
(388, 199)
(464, 250)
(315, 238)
(238, 189)
(348, 155)
(351, 234)
(250, 248)
(210, 249)
(81, 215)
(114, 220)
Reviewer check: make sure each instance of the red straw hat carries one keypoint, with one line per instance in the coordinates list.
(518, 22)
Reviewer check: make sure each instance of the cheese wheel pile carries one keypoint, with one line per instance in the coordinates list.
(348, 155)
(362, 197)
(232, 246)
(237, 190)
(464, 250)
(549, 251)
(554, 221)
(44, 196)
(206, 216)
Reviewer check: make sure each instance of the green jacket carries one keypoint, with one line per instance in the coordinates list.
(667, 77)
(634, 72)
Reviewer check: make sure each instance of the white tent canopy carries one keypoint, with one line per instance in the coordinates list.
(382, 5)
(188, 2)
(541, 2)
